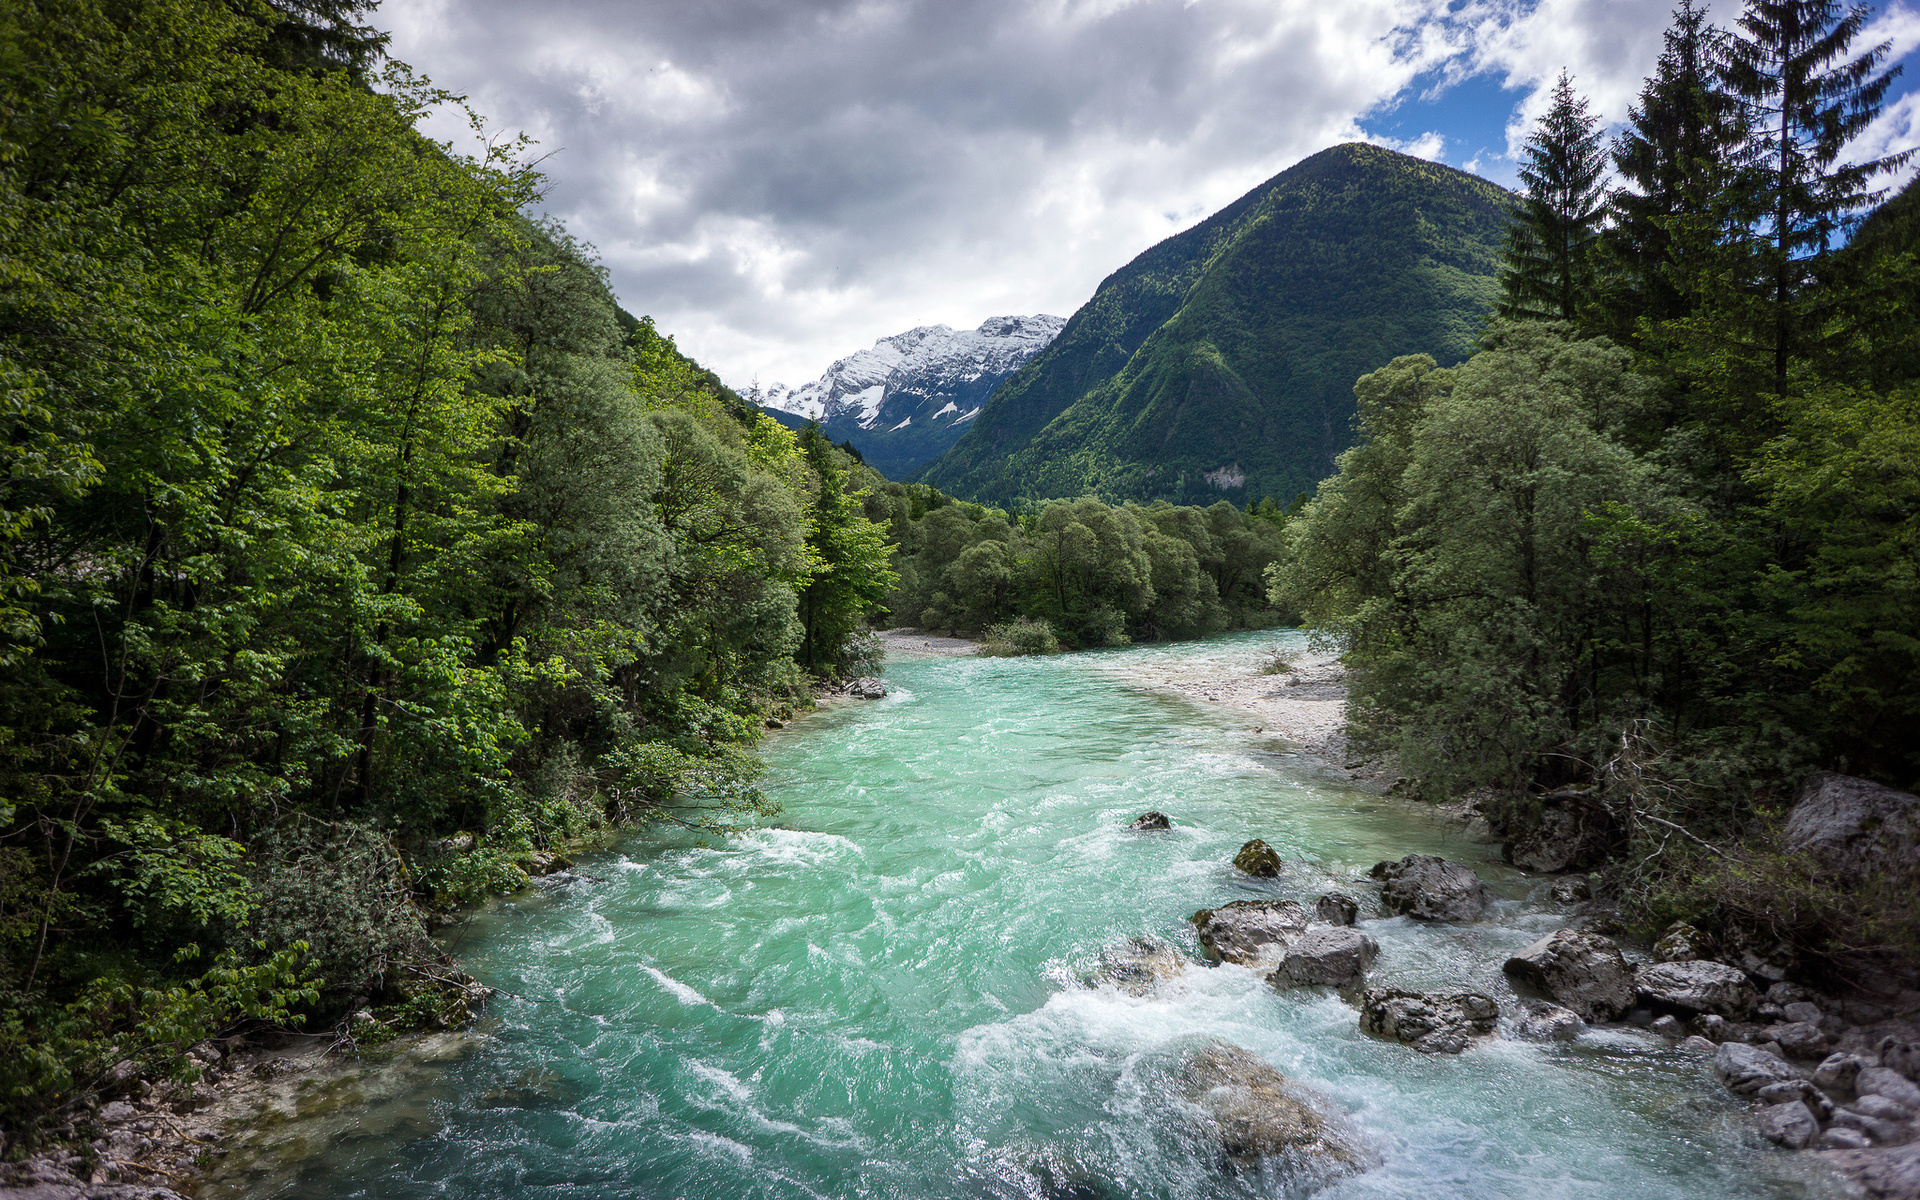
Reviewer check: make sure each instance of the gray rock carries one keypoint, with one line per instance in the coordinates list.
(1428, 888)
(1667, 1025)
(1150, 821)
(1570, 830)
(1842, 1138)
(1855, 828)
(1432, 1024)
(1330, 955)
(1881, 1174)
(1746, 1069)
(1695, 1044)
(1139, 965)
(1881, 1081)
(1799, 1039)
(1719, 1029)
(1337, 908)
(1873, 1104)
(1258, 858)
(1800, 1090)
(1837, 1072)
(1583, 971)
(1572, 889)
(1903, 1057)
(1696, 986)
(1787, 993)
(867, 688)
(1261, 1118)
(1680, 943)
(1790, 1125)
(1803, 1011)
(1550, 1023)
(1882, 1131)
(1252, 933)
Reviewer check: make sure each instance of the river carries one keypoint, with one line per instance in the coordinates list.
(887, 995)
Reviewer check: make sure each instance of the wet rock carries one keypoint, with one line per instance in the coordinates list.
(1696, 986)
(546, 862)
(1881, 1081)
(1329, 955)
(1572, 890)
(1837, 1072)
(1790, 1125)
(1882, 1131)
(1746, 1069)
(1550, 1023)
(1571, 831)
(1258, 858)
(1428, 888)
(1855, 828)
(867, 688)
(1695, 1044)
(1799, 1039)
(1873, 1104)
(1899, 1056)
(1337, 908)
(1150, 821)
(1139, 965)
(1797, 1090)
(1261, 1118)
(1251, 932)
(1680, 943)
(1667, 1025)
(1432, 1024)
(1583, 971)
(1842, 1138)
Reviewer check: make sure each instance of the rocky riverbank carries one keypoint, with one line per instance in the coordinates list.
(1304, 703)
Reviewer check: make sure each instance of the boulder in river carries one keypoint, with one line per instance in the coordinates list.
(1696, 986)
(1150, 821)
(1251, 933)
(1855, 828)
(1260, 1118)
(1550, 1023)
(1138, 965)
(1429, 888)
(867, 688)
(1329, 955)
(1583, 971)
(1337, 908)
(1258, 858)
(1746, 1069)
(1433, 1024)
(1790, 1125)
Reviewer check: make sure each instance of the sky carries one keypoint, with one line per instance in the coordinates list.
(778, 183)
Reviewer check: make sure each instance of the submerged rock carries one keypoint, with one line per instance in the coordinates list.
(1583, 971)
(1337, 908)
(1150, 821)
(1550, 1023)
(1139, 965)
(1330, 955)
(1432, 1024)
(1260, 1118)
(1258, 858)
(1251, 933)
(1428, 888)
(1696, 986)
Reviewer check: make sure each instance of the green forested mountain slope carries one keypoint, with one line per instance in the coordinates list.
(1235, 345)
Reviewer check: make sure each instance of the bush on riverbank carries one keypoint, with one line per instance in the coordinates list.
(1022, 635)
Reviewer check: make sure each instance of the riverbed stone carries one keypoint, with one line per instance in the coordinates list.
(1693, 1043)
(1680, 943)
(1570, 830)
(1262, 1118)
(1745, 1069)
(1882, 1131)
(1854, 828)
(1429, 888)
(1583, 971)
(1327, 955)
(1337, 908)
(1258, 859)
(1139, 965)
(1837, 1071)
(1799, 1039)
(1550, 1023)
(1903, 1057)
(1149, 821)
(1696, 986)
(1430, 1023)
(1885, 1107)
(1572, 889)
(1789, 1125)
(867, 687)
(1882, 1081)
(1251, 933)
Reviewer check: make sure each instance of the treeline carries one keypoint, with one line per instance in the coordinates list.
(1650, 556)
(1095, 574)
(343, 517)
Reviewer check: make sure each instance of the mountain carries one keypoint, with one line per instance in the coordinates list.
(1221, 362)
(908, 398)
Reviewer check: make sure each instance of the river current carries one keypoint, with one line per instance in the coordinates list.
(894, 994)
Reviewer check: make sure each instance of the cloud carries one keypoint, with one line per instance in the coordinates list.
(779, 182)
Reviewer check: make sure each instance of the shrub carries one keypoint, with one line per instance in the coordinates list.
(1022, 635)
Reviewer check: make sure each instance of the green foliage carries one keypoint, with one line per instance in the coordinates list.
(1556, 224)
(1022, 635)
(1220, 361)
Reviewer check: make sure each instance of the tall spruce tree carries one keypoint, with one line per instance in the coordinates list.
(1548, 271)
(1678, 156)
(1805, 101)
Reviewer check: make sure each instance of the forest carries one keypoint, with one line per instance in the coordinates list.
(1650, 557)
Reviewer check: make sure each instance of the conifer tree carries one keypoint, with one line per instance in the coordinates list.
(1805, 100)
(1548, 272)
(1677, 156)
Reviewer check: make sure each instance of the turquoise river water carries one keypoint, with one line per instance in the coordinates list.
(888, 997)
